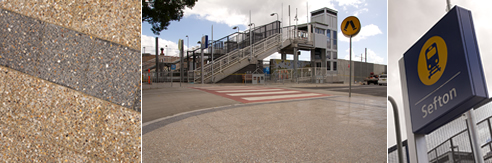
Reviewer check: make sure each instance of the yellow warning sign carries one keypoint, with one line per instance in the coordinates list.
(350, 26)
(432, 60)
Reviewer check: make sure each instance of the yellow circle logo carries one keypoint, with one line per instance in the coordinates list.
(432, 60)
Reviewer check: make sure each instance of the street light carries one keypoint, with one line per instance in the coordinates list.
(236, 27)
(251, 30)
(187, 49)
(187, 43)
(251, 40)
(274, 14)
(237, 37)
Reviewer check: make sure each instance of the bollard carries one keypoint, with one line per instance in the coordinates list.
(149, 77)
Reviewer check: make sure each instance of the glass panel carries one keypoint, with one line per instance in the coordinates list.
(334, 66)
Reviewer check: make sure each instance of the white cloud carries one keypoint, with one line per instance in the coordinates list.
(148, 42)
(353, 3)
(356, 13)
(235, 13)
(365, 32)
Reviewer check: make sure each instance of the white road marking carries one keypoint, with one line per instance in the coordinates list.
(262, 93)
(226, 88)
(255, 90)
(279, 96)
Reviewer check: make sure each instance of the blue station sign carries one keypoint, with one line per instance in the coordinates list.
(444, 72)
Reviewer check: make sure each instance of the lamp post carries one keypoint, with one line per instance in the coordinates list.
(274, 14)
(251, 39)
(201, 64)
(237, 37)
(187, 49)
(236, 27)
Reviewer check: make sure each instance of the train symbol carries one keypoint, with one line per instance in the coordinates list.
(432, 56)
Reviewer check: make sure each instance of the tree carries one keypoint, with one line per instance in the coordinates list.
(159, 13)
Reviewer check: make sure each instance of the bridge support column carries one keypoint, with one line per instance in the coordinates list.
(313, 65)
(323, 63)
(283, 56)
(296, 60)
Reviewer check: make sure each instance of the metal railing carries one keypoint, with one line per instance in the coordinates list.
(264, 38)
(458, 148)
(236, 56)
(301, 75)
(166, 76)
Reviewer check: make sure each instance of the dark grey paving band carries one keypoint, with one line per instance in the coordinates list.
(97, 67)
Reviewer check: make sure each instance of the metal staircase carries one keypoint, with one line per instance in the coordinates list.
(267, 39)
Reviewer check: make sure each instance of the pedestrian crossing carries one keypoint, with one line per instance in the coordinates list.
(252, 94)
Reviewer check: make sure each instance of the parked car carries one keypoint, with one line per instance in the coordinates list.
(372, 79)
(383, 79)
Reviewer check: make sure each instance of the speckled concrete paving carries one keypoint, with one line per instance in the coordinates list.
(69, 81)
(97, 67)
(331, 129)
(116, 21)
(42, 121)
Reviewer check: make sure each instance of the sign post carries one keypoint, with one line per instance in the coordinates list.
(181, 53)
(350, 27)
(204, 46)
(442, 78)
(173, 67)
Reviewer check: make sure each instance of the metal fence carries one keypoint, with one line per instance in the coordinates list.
(161, 77)
(457, 148)
(302, 75)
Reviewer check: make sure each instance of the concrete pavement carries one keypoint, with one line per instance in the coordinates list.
(328, 129)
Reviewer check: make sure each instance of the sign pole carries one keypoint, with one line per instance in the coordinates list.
(472, 126)
(157, 59)
(350, 69)
(350, 27)
(201, 71)
(181, 54)
(416, 142)
(212, 53)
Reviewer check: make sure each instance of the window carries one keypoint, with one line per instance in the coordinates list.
(328, 54)
(328, 65)
(328, 40)
(334, 40)
(334, 66)
(317, 54)
(335, 56)
(317, 13)
(319, 31)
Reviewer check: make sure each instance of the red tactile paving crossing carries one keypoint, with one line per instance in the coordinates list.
(252, 94)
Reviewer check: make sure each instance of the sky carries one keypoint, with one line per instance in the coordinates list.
(225, 14)
(408, 20)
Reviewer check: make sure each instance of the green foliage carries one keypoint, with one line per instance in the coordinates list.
(159, 13)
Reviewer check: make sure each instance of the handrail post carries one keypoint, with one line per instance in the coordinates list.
(397, 128)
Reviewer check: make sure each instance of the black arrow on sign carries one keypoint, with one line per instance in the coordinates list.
(351, 24)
